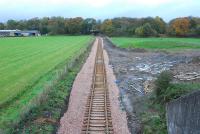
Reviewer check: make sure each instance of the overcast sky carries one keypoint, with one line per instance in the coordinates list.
(98, 9)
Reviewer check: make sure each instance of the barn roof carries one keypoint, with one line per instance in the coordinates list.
(19, 31)
(10, 30)
(28, 31)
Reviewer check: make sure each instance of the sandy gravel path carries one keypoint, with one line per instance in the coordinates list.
(119, 120)
(71, 122)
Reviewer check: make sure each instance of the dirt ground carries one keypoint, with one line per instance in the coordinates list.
(189, 72)
(135, 71)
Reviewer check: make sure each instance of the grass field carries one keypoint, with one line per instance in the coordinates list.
(157, 43)
(24, 60)
(56, 105)
(27, 64)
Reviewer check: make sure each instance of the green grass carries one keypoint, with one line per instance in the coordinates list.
(154, 117)
(24, 60)
(55, 106)
(29, 66)
(157, 43)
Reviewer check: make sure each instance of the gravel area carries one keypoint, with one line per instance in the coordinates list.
(119, 120)
(71, 122)
(187, 72)
(136, 70)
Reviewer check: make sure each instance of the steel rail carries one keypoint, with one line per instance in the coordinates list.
(97, 117)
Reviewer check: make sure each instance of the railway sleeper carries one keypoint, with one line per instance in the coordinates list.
(99, 118)
(102, 90)
(93, 131)
(95, 125)
(100, 101)
(98, 128)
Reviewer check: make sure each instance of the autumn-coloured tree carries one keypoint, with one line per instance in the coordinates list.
(107, 27)
(120, 26)
(161, 25)
(145, 30)
(181, 26)
(56, 25)
(75, 25)
(139, 31)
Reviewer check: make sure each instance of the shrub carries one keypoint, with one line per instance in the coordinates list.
(161, 84)
(166, 91)
(154, 118)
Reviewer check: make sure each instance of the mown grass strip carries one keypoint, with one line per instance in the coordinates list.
(44, 118)
(157, 43)
(39, 56)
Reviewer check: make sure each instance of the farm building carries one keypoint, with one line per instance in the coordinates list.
(4, 33)
(12, 33)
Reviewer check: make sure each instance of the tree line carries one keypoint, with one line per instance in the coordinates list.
(122, 26)
(187, 26)
(53, 25)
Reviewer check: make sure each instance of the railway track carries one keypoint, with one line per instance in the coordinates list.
(97, 119)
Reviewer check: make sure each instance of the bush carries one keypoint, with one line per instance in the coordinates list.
(161, 84)
(166, 91)
(154, 118)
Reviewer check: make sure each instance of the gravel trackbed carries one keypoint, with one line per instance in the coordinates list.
(72, 121)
